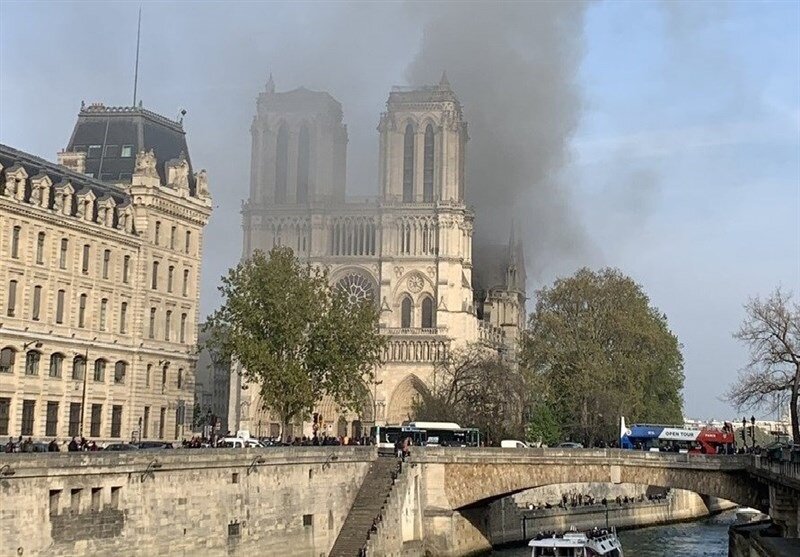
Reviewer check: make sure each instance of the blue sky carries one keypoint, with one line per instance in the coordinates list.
(682, 166)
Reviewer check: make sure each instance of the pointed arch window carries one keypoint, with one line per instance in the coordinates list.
(427, 167)
(405, 313)
(408, 165)
(281, 165)
(428, 318)
(303, 165)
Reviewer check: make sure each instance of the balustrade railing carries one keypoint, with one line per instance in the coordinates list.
(412, 331)
(784, 468)
(491, 334)
(416, 350)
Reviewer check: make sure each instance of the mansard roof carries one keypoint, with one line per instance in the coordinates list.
(59, 175)
(118, 126)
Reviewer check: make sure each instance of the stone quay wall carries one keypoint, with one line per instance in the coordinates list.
(279, 501)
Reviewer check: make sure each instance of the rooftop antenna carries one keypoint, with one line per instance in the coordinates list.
(136, 70)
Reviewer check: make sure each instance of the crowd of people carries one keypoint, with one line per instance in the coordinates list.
(575, 500)
(28, 446)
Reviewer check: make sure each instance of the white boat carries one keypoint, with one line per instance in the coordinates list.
(577, 544)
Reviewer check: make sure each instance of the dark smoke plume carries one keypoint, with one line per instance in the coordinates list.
(514, 67)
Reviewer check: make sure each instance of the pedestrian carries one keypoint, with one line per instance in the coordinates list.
(73, 445)
(27, 446)
(53, 446)
(10, 445)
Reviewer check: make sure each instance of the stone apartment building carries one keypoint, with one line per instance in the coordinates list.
(99, 281)
(410, 249)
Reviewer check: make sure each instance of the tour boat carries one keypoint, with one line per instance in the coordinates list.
(577, 544)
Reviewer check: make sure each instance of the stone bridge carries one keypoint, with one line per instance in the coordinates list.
(458, 484)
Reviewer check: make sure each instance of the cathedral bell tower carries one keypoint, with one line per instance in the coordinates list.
(422, 141)
(299, 148)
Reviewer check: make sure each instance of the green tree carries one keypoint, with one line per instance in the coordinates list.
(476, 387)
(771, 330)
(597, 350)
(544, 427)
(296, 337)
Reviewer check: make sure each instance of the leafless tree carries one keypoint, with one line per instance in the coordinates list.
(771, 330)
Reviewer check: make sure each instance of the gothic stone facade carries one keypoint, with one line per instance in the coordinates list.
(99, 286)
(409, 250)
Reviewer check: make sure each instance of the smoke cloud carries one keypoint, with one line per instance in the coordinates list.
(514, 68)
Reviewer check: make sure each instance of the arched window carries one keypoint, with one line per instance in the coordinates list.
(405, 313)
(7, 356)
(303, 162)
(408, 165)
(428, 321)
(56, 363)
(78, 367)
(281, 165)
(99, 370)
(32, 359)
(120, 370)
(427, 167)
(154, 282)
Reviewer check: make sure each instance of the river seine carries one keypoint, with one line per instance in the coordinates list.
(708, 537)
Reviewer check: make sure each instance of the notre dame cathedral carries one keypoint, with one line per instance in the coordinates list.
(410, 249)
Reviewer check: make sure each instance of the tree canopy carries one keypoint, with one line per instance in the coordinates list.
(771, 330)
(296, 337)
(595, 350)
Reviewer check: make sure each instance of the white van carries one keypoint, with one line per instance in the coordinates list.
(237, 443)
(514, 444)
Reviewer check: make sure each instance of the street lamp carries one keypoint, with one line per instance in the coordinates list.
(753, 431)
(375, 384)
(744, 432)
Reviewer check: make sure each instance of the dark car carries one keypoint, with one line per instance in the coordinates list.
(146, 445)
(120, 447)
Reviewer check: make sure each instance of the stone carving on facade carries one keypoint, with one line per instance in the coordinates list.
(398, 271)
(146, 164)
(415, 283)
(178, 174)
(202, 183)
(15, 182)
(431, 271)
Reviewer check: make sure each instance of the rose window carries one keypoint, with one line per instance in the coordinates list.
(358, 288)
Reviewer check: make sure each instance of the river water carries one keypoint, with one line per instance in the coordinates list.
(707, 537)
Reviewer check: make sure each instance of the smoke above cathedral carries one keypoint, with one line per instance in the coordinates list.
(514, 68)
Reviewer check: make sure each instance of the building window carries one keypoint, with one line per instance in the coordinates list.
(116, 420)
(183, 327)
(427, 166)
(408, 165)
(32, 359)
(147, 375)
(405, 313)
(62, 258)
(186, 282)
(112, 151)
(164, 377)
(28, 408)
(123, 317)
(103, 311)
(157, 234)
(40, 248)
(179, 417)
(82, 311)
(180, 378)
(74, 428)
(152, 331)
(15, 232)
(127, 151)
(7, 356)
(78, 367)
(60, 306)
(99, 370)
(303, 165)
(281, 165)
(97, 414)
(56, 363)
(162, 419)
(5, 414)
(173, 232)
(170, 277)
(126, 268)
(51, 423)
(106, 261)
(94, 151)
(85, 264)
(188, 241)
(154, 282)
(167, 324)
(146, 423)
(120, 370)
(12, 298)
(37, 302)
(427, 314)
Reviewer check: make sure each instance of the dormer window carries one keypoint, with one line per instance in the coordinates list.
(112, 151)
(94, 151)
(127, 151)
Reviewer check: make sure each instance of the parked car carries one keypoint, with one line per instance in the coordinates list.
(570, 445)
(238, 443)
(120, 447)
(147, 445)
(513, 444)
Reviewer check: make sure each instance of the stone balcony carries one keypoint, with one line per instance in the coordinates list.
(415, 344)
